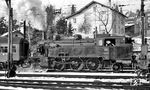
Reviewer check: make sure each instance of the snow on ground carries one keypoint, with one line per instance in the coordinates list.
(81, 73)
(75, 79)
(19, 88)
(78, 79)
(16, 88)
(77, 73)
(102, 89)
(70, 79)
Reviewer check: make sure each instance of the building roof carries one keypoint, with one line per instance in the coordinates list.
(4, 40)
(16, 31)
(89, 5)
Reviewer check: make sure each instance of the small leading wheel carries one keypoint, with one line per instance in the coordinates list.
(77, 64)
(93, 64)
(116, 67)
(59, 64)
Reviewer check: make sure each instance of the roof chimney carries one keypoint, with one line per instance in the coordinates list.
(73, 9)
(109, 3)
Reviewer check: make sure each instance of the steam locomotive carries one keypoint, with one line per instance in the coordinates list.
(20, 49)
(87, 54)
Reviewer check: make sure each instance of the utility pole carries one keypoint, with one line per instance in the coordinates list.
(24, 27)
(144, 46)
(29, 30)
(142, 19)
(10, 72)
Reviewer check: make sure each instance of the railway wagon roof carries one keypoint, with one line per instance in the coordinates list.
(16, 40)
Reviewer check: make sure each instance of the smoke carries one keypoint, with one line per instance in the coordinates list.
(33, 11)
(3, 9)
(30, 10)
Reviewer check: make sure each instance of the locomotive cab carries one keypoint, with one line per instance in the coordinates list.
(117, 52)
(101, 40)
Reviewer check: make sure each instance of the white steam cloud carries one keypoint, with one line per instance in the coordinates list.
(32, 11)
(3, 9)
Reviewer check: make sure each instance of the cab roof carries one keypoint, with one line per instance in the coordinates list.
(16, 40)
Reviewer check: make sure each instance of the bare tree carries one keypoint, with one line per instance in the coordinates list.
(104, 17)
(50, 18)
(85, 27)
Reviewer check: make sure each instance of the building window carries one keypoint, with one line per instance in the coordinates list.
(75, 29)
(3, 49)
(13, 49)
(94, 8)
(74, 20)
(16, 35)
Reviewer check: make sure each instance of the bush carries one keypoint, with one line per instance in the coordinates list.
(78, 37)
(57, 37)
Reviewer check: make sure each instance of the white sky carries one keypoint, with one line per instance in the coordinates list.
(131, 4)
(60, 3)
(80, 3)
(22, 7)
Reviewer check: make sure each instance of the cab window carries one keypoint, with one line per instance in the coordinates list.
(109, 42)
(128, 40)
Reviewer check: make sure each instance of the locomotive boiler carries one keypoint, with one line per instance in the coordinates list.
(87, 54)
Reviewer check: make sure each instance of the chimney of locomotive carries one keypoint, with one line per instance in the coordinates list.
(24, 27)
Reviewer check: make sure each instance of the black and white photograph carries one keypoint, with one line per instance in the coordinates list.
(74, 44)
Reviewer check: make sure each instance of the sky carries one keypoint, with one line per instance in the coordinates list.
(131, 4)
(23, 9)
(80, 3)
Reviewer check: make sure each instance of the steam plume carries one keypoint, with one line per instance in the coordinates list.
(30, 10)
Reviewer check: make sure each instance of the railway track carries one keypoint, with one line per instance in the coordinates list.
(74, 81)
(69, 84)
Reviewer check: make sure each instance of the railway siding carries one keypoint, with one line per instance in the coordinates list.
(75, 80)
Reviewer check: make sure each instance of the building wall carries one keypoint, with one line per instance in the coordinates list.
(138, 23)
(147, 23)
(17, 35)
(118, 24)
(99, 18)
